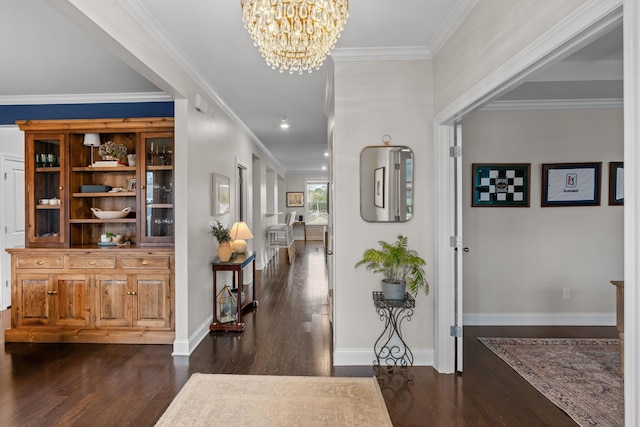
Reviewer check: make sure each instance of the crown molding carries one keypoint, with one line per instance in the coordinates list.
(554, 104)
(407, 53)
(142, 15)
(85, 98)
(587, 22)
(452, 21)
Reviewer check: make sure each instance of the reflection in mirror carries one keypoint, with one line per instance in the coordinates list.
(386, 183)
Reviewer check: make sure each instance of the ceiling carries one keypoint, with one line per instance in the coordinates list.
(49, 59)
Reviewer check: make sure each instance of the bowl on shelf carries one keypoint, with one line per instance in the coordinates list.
(99, 213)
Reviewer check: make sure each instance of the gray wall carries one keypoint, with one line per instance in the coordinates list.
(521, 259)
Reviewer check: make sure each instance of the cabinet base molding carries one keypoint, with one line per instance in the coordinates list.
(97, 336)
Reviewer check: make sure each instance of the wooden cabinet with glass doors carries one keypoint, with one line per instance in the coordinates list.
(68, 284)
(66, 182)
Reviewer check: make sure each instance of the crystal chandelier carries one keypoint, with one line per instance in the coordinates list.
(294, 35)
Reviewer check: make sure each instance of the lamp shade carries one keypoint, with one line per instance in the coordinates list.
(239, 232)
(91, 140)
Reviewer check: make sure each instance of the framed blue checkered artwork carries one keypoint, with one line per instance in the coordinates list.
(501, 184)
(571, 184)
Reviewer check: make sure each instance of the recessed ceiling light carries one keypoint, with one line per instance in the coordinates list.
(324, 168)
(284, 124)
(326, 154)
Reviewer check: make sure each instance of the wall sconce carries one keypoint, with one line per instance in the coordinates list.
(239, 232)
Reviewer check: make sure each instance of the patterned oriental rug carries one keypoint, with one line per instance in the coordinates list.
(580, 376)
(258, 400)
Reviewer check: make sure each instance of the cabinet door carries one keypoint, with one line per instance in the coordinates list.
(45, 194)
(113, 300)
(156, 210)
(73, 300)
(152, 307)
(35, 292)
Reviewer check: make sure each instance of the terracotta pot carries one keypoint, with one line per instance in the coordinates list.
(224, 251)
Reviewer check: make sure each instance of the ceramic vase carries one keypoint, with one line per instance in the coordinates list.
(224, 251)
(394, 291)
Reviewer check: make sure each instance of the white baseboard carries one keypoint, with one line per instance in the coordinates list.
(185, 347)
(539, 319)
(365, 357)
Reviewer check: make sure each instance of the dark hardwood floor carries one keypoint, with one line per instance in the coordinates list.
(288, 334)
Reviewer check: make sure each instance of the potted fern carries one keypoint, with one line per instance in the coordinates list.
(399, 265)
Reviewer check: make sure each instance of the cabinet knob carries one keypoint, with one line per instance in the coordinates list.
(59, 188)
(40, 262)
(52, 293)
(142, 187)
(128, 292)
(92, 263)
(145, 262)
(133, 293)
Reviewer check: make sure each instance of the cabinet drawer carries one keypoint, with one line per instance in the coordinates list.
(39, 261)
(92, 262)
(146, 262)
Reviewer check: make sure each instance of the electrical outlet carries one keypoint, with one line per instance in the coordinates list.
(566, 293)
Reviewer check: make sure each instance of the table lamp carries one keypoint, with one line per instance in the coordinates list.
(91, 140)
(239, 232)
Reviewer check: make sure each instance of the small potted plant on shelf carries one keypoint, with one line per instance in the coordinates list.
(400, 267)
(112, 151)
(223, 236)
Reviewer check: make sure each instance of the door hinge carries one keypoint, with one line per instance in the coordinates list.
(455, 151)
(455, 241)
(456, 331)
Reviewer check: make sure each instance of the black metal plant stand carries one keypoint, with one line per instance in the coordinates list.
(390, 349)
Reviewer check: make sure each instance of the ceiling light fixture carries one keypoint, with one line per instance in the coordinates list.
(284, 124)
(295, 35)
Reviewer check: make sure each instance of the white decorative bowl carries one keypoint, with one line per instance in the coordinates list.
(99, 213)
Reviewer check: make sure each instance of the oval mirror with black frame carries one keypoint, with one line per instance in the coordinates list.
(386, 183)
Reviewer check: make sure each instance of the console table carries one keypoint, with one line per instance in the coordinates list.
(304, 225)
(619, 284)
(390, 349)
(236, 266)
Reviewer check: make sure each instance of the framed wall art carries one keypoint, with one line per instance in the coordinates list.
(378, 187)
(616, 183)
(221, 194)
(571, 184)
(501, 184)
(295, 199)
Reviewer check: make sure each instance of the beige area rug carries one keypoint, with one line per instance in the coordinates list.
(258, 400)
(580, 376)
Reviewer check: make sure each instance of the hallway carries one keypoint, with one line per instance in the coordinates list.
(288, 334)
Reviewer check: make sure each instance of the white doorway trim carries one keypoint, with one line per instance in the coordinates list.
(631, 40)
(585, 24)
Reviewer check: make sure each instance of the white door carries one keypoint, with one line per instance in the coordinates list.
(458, 245)
(13, 221)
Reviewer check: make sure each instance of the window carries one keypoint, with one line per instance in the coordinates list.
(316, 206)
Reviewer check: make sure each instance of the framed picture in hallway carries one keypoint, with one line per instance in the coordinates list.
(571, 184)
(295, 199)
(378, 187)
(616, 183)
(501, 184)
(221, 194)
